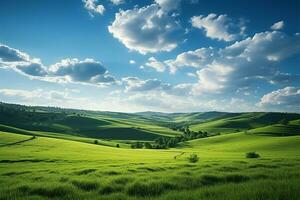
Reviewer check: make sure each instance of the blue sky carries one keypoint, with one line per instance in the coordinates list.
(160, 55)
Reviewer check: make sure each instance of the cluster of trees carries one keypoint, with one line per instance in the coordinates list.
(167, 142)
(140, 145)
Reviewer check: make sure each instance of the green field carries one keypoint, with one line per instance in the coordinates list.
(41, 163)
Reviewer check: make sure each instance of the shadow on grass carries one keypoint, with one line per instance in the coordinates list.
(85, 171)
(50, 192)
(85, 185)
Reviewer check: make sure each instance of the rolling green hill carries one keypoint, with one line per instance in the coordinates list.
(54, 153)
(245, 142)
(242, 121)
(145, 126)
(52, 168)
(105, 125)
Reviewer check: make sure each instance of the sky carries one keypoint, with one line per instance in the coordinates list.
(152, 55)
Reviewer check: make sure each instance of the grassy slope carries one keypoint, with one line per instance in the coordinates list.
(95, 126)
(9, 129)
(293, 128)
(60, 169)
(237, 143)
(6, 138)
(242, 121)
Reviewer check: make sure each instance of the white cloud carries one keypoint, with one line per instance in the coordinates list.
(278, 25)
(190, 74)
(155, 64)
(87, 71)
(146, 30)
(26, 94)
(134, 84)
(117, 2)
(43, 97)
(168, 5)
(93, 7)
(213, 78)
(8, 54)
(249, 62)
(167, 102)
(132, 62)
(20, 62)
(288, 97)
(219, 27)
(31, 69)
(198, 58)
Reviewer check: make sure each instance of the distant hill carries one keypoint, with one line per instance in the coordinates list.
(106, 125)
(243, 121)
(144, 126)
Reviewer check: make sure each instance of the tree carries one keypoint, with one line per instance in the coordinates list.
(118, 146)
(284, 121)
(147, 145)
(137, 145)
(95, 141)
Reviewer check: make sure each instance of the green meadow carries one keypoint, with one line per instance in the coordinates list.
(51, 154)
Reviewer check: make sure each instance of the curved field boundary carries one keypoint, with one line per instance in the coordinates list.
(19, 142)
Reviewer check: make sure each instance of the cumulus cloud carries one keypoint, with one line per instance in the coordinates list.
(278, 25)
(244, 63)
(249, 60)
(87, 71)
(282, 98)
(8, 54)
(155, 64)
(34, 69)
(146, 30)
(93, 7)
(20, 62)
(168, 5)
(198, 58)
(219, 27)
(117, 2)
(136, 84)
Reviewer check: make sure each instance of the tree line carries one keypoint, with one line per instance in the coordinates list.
(168, 142)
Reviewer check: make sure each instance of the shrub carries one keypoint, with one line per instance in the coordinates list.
(193, 158)
(147, 145)
(137, 145)
(252, 155)
(118, 146)
(96, 142)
